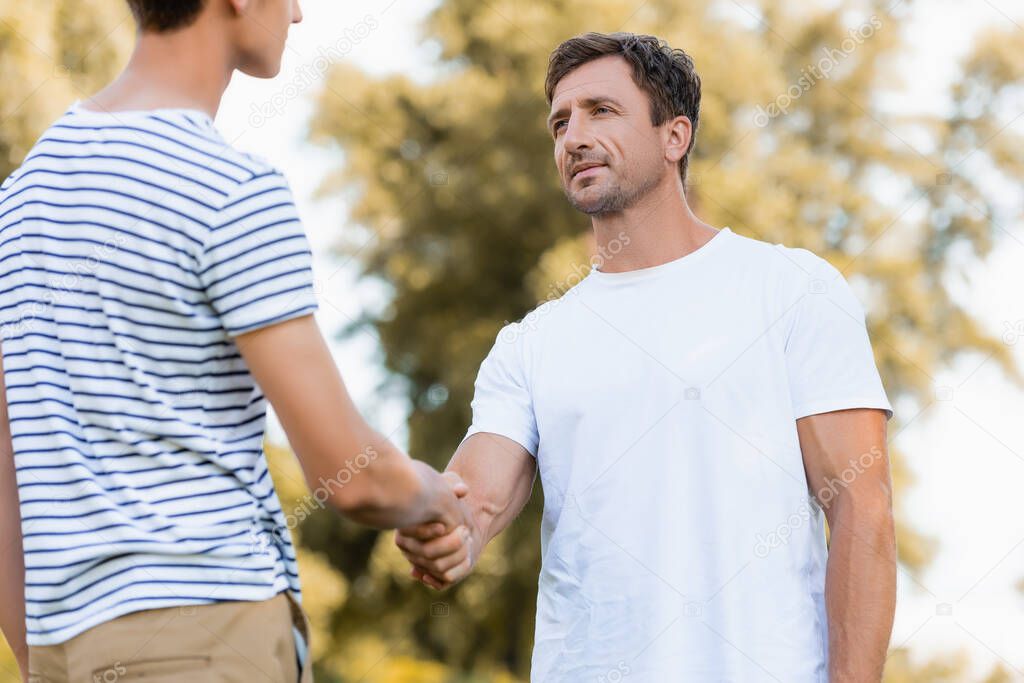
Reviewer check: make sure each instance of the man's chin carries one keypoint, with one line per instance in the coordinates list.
(591, 201)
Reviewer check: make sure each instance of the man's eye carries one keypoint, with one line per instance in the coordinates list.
(558, 125)
(602, 109)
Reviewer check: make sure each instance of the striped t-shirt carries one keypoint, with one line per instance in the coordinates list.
(133, 247)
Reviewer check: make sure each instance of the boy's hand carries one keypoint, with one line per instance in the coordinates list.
(441, 555)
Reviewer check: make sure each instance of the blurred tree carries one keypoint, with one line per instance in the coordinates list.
(949, 669)
(54, 52)
(465, 221)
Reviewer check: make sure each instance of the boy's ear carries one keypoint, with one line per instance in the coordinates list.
(239, 6)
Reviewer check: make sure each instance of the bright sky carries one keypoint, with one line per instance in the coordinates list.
(967, 450)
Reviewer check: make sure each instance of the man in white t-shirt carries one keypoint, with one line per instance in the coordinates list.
(697, 406)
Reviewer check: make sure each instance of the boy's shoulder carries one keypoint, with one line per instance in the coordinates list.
(178, 131)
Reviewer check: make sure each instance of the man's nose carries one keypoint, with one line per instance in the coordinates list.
(577, 135)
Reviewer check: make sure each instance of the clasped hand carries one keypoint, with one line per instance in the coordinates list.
(442, 554)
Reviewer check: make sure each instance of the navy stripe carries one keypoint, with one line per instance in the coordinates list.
(108, 281)
(176, 141)
(133, 487)
(116, 193)
(104, 226)
(248, 270)
(180, 345)
(123, 176)
(258, 299)
(99, 207)
(261, 323)
(86, 342)
(262, 211)
(276, 276)
(156, 150)
(149, 373)
(84, 240)
(128, 160)
(79, 392)
(112, 316)
(196, 130)
(120, 335)
(282, 185)
(259, 247)
(139, 567)
(92, 563)
(134, 568)
(162, 358)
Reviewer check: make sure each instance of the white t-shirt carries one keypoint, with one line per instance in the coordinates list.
(679, 539)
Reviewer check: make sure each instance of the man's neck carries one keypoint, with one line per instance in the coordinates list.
(187, 69)
(658, 228)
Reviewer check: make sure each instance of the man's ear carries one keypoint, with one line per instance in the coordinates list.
(680, 131)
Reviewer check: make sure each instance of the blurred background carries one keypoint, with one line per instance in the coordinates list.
(887, 137)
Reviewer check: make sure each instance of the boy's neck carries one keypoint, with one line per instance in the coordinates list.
(179, 69)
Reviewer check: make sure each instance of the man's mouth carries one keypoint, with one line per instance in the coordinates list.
(585, 169)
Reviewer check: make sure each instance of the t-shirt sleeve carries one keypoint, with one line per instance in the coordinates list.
(256, 266)
(828, 354)
(502, 402)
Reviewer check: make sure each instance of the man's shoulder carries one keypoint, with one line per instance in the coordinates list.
(530, 325)
(780, 260)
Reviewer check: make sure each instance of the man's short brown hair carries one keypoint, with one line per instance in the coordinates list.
(666, 74)
(165, 15)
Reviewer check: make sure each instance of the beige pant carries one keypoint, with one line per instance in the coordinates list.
(225, 642)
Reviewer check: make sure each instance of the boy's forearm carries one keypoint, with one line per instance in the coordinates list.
(389, 490)
(860, 591)
(405, 493)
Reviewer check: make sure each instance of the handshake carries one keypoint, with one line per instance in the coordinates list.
(443, 552)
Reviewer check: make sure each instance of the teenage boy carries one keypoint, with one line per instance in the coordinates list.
(155, 292)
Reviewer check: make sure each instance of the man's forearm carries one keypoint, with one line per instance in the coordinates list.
(494, 501)
(860, 590)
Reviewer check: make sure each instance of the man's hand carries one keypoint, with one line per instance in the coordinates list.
(499, 474)
(442, 554)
